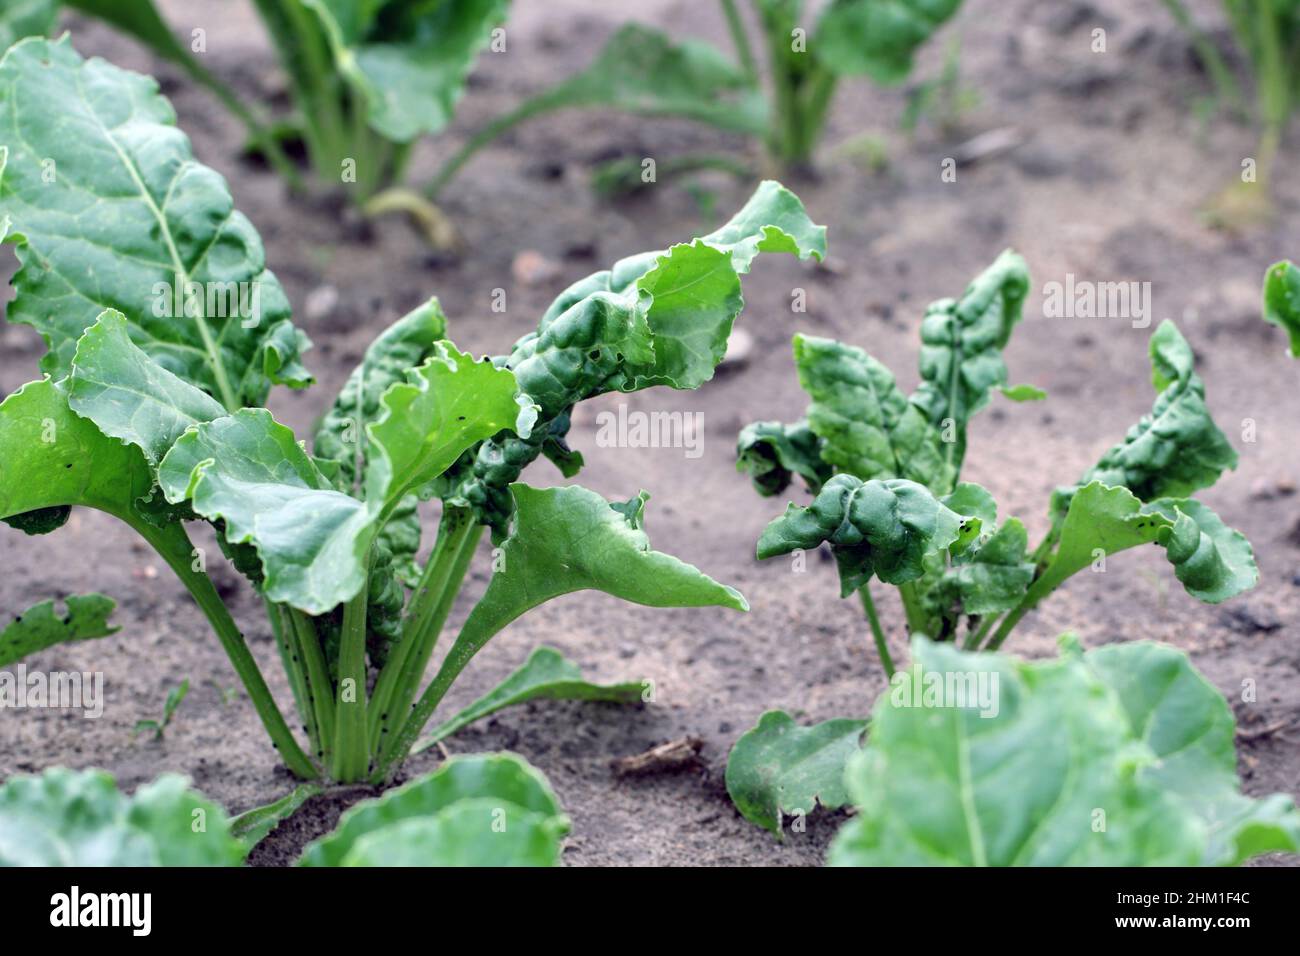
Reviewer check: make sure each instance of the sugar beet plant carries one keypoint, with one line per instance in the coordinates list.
(884, 469)
(151, 410)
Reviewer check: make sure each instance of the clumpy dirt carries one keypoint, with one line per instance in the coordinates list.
(1107, 184)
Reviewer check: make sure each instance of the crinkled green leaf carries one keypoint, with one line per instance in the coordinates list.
(505, 780)
(883, 528)
(313, 540)
(877, 37)
(409, 61)
(79, 818)
(1213, 561)
(961, 349)
(109, 210)
(1052, 776)
(1189, 727)
(660, 318)
(1177, 449)
(641, 70)
(778, 768)
(546, 675)
(993, 575)
(1282, 301)
(129, 395)
(26, 18)
(868, 427)
(772, 453)
(42, 626)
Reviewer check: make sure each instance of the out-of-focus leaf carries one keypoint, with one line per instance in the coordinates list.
(482, 782)
(408, 60)
(483, 831)
(252, 826)
(771, 453)
(1282, 301)
(79, 818)
(777, 768)
(109, 210)
(26, 18)
(41, 626)
(961, 350)
(868, 427)
(546, 675)
(877, 37)
(1012, 779)
(641, 70)
(882, 528)
(1189, 727)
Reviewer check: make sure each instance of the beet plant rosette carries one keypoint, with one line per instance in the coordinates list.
(157, 419)
(884, 470)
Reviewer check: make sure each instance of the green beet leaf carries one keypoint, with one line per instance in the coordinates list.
(26, 18)
(313, 540)
(1177, 449)
(660, 318)
(1213, 561)
(51, 457)
(546, 675)
(482, 781)
(1282, 301)
(1093, 759)
(961, 351)
(409, 62)
(772, 453)
(110, 210)
(129, 395)
(1189, 727)
(778, 768)
(868, 427)
(877, 37)
(483, 831)
(42, 626)
(341, 437)
(881, 528)
(79, 818)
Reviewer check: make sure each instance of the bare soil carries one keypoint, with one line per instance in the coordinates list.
(1107, 186)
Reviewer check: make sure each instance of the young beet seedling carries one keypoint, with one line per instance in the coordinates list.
(155, 417)
(884, 469)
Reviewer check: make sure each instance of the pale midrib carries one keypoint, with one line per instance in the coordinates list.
(966, 787)
(214, 359)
